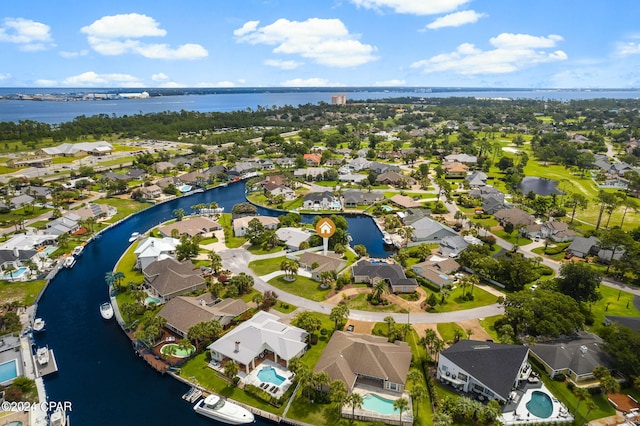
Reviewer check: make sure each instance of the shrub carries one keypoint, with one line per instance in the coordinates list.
(560, 377)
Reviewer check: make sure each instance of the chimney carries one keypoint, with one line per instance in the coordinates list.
(16, 252)
(237, 349)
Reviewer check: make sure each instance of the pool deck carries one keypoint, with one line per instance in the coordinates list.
(369, 415)
(516, 413)
(253, 379)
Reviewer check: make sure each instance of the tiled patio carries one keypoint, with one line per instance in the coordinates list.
(253, 379)
(370, 415)
(515, 411)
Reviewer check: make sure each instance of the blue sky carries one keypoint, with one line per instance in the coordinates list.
(266, 43)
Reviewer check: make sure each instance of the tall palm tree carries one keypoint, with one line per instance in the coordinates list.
(379, 288)
(390, 322)
(401, 405)
(418, 393)
(441, 418)
(216, 262)
(354, 400)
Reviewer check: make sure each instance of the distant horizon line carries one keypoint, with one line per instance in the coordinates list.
(325, 88)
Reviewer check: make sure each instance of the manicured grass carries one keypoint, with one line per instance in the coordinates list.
(125, 207)
(422, 409)
(126, 266)
(24, 293)
(489, 325)
(17, 215)
(455, 303)
(266, 266)
(361, 303)
(6, 170)
(512, 238)
(610, 305)
(285, 308)
(262, 250)
(302, 286)
(447, 331)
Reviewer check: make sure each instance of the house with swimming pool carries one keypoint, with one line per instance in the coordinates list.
(263, 337)
(488, 370)
(10, 359)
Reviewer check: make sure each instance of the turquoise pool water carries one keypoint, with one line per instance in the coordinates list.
(378, 404)
(50, 250)
(180, 353)
(387, 208)
(268, 374)
(540, 405)
(150, 299)
(8, 371)
(17, 274)
(185, 188)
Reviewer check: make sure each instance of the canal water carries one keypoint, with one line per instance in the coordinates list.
(99, 373)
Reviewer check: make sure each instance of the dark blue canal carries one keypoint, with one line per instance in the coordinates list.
(107, 383)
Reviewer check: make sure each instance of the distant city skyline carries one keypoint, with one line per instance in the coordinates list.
(320, 43)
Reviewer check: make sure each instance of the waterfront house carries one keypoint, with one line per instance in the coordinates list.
(372, 361)
(489, 370)
(354, 198)
(191, 227)
(163, 167)
(12, 260)
(151, 192)
(168, 278)
(317, 263)
(427, 230)
(260, 337)
(368, 272)
(96, 211)
(292, 237)
(136, 174)
(437, 270)
(413, 214)
(183, 312)
(66, 224)
(151, 249)
(240, 224)
(310, 173)
(195, 179)
(321, 201)
(575, 356)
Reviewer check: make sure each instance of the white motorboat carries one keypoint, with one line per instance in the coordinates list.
(77, 250)
(42, 355)
(223, 411)
(386, 238)
(134, 236)
(59, 418)
(106, 310)
(69, 261)
(38, 324)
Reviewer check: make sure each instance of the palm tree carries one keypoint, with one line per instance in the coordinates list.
(354, 400)
(178, 214)
(390, 322)
(338, 394)
(379, 288)
(118, 276)
(231, 368)
(326, 278)
(400, 404)
(216, 262)
(581, 394)
(441, 418)
(109, 278)
(339, 313)
(418, 393)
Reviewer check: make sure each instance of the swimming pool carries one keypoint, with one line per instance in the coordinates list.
(8, 371)
(179, 353)
(49, 250)
(150, 300)
(378, 404)
(387, 208)
(185, 188)
(268, 374)
(540, 405)
(16, 274)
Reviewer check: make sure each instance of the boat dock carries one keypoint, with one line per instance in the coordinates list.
(192, 395)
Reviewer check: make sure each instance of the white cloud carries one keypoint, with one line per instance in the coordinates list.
(284, 65)
(70, 55)
(309, 82)
(119, 34)
(172, 84)
(627, 48)
(388, 83)
(92, 79)
(456, 19)
(412, 7)
(160, 77)
(325, 41)
(512, 52)
(5, 76)
(30, 35)
(46, 83)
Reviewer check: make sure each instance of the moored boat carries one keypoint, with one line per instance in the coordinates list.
(77, 250)
(106, 310)
(38, 324)
(69, 261)
(59, 418)
(42, 355)
(222, 410)
(134, 236)
(386, 239)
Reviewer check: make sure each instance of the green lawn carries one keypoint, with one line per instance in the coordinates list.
(262, 250)
(24, 293)
(455, 303)
(125, 207)
(361, 303)
(489, 324)
(447, 331)
(266, 266)
(302, 286)
(285, 308)
(610, 305)
(126, 266)
(227, 225)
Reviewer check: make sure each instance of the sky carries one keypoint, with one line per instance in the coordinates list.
(313, 43)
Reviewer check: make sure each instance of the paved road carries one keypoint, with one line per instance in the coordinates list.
(237, 260)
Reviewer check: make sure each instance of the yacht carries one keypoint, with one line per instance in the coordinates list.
(223, 411)
(38, 325)
(77, 250)
(59, 418)
(386, 238)
(42, 355)
(69, 261)
(134, 236)
(106, 310)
